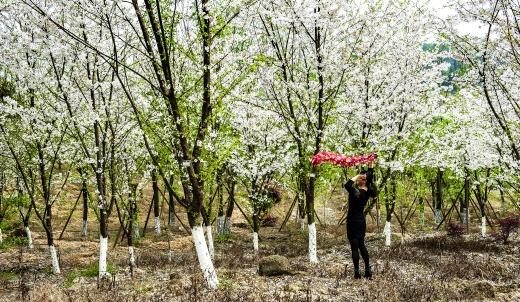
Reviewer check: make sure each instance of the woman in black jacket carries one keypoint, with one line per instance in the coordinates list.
(360, 188)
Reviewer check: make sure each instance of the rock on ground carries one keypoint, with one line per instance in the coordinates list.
(273, 265)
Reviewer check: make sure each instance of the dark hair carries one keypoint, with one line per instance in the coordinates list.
(363, 171)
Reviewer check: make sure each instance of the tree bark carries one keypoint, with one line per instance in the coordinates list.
(156, 203)
(464, 207)
(390, 206)
(438, 197)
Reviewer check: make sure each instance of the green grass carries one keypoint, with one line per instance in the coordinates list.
(222, 238)
(224, 283)
(144, 288)
(7, 276)
(92, 270)
(12, 242)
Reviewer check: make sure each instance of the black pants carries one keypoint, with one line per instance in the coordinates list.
(356, 237)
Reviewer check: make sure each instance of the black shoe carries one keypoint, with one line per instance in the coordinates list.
(357, 274)
(368, 273)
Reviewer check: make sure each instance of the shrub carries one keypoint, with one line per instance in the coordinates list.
(507, 226)
(455, 229)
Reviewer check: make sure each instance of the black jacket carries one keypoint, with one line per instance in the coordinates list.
(358, 198)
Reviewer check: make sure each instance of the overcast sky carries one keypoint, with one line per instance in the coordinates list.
(474, 28)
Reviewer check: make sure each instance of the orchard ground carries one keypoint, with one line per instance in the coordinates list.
(424, 266)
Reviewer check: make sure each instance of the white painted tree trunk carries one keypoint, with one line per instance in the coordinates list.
(171, 220)
(211, 247)
(205, 263)
(157, 225)
(54, 259)
(312, 243)
(131, 256)
(464, 217)
(103, 249)
(1, 236)
(220, 224)
(483, 227)
(438, 216)
(170, 256)
(29, 238)
(387, 231)
(227, 225)
(84, 228)
(255, 242)
(136, 231)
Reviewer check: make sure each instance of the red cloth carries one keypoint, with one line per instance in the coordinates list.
(341, 160)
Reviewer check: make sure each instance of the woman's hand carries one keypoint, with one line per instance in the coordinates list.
(372, 164)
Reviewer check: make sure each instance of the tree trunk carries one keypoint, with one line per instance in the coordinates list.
(103, 240)
(220, 211)
(54, 259)
(301, 209)
(30, 244)
(256, 228)
(50, 240)
(310, 217)
(481, 203)
(209, 232)
(47, 219)
(389, 205)
(502, 197)
(84, 192)
(132, 211)
(206, 265)
(156, 203)
(230, 208)
(421, 209)
(438, 198)
(2, 211)
(171, 205)
(464, 206)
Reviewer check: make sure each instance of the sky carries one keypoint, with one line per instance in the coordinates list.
(472, 28)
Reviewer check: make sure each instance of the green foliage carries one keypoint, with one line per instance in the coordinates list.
(223, 238)
(7, 276)
(225, 283)
(18, 201)
(92, 270)
(136, 240)
(7, 225)
(13, 242)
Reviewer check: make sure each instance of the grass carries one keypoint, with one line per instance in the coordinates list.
(92, 270)
(222, 238)
(224, 283)
(12, 242)
(144, 288)
(8, 276)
